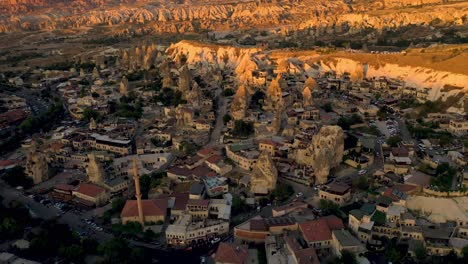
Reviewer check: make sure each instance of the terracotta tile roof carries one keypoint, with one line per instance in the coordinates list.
(214, 159)
(179, 171)
(205, 152)
(333, 222)
(181, 200)
(400, 152)
(6, 163)
(154, 207)
(13, 116)
(64, 187)
(228, 253)
(320, 230)
(258, 225)
(303, 255)
(89, 189)
(202, 171)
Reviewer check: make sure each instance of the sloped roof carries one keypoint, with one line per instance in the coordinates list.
(154, 207)
(229, 253)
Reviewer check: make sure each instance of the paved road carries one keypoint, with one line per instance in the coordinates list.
(219, 124)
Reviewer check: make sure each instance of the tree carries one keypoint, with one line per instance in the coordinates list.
(16, 177)
(118, 204)
(89, 113)
(327, 107)
(238, 205)
(282, 192)
(328, 207)
(420, 252)
(393, 141)
(228, 92)
(348, 257)
(242, 128)
(72, 253)
(465, 253)
(115, 250)
(226, 118)
(362, 183)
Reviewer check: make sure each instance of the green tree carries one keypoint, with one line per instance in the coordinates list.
(393, 141)
(465, 253)
(328, 207)
(72, 253)
(118, 204)
(228, 92)
(89, 113)
(226, 118)
(282, 192)
(242, 128)
(16, 177)
(238, 205)
(421, 253)
(327, 107)
(362, 183)
(348, 257)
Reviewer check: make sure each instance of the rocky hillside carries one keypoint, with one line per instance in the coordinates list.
(318, 16)
(441, 69)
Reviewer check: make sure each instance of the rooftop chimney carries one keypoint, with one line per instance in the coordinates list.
(136, 178)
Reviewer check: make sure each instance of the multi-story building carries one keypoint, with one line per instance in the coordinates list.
(244, 156)
(458, 127)
(335, 192)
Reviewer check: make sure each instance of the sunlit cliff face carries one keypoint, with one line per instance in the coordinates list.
(318, 17)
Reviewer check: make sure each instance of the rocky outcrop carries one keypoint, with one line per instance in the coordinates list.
(123, 86)
(240, 103)
(264, 175)
(274, 95)
(94, 170)
(324, 152)
(36, 166)
(306, 97)
(238, 59)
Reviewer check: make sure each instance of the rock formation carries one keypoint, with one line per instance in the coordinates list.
(184, 116)
(240, 103)
(123, 86)
(36, 166)
(324, 152)
(274, 95)
(92, 124)
(306, 97)
(95, 73)
(185, 79)
(264, 175)
(311, 83)
(94, 170)
(194, 96)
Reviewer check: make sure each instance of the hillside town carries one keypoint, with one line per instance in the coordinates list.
(194, 159)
